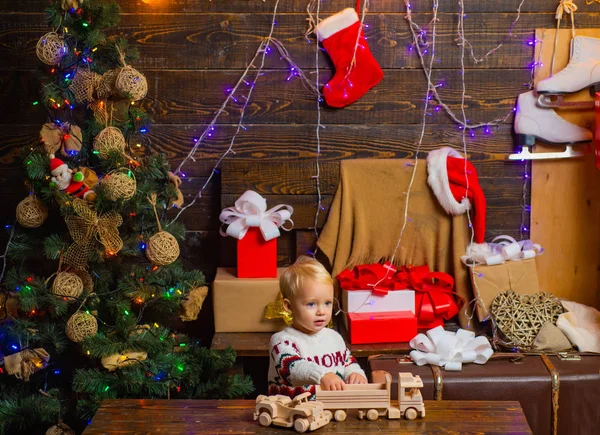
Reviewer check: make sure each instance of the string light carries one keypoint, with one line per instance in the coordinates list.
(12, 232)
(262, 51)
(464, 40)
(317, 176)
(423, 119)
(420, 40)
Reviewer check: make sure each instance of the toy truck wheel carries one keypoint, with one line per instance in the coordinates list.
(301, 425)
(372, 415)
(340, 415)
(328, 415)
(410, 414)
(265, 419)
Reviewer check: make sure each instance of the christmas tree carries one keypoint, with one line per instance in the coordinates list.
(93, 260)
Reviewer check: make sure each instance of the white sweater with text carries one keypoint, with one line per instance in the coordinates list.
(298, 361)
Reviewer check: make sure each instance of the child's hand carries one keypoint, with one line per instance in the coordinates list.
(357, 378)
(331, 381)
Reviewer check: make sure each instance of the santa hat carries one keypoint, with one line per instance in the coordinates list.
(56, 166)
(448, 180)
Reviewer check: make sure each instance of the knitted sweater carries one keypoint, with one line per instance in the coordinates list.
(298, 361)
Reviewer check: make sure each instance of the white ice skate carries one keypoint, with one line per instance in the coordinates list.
(534, 123)
(582, 71)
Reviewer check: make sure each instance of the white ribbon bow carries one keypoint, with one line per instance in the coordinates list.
(450, 350)
(250, 210)
(502, 249)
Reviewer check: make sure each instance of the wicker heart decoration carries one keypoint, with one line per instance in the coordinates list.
(520, 317)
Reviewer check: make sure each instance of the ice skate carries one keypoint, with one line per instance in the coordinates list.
(534, 123)
(582, 71)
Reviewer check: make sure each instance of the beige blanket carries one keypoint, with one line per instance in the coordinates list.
(367, 214)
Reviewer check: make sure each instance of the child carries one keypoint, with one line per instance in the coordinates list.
(307, 352)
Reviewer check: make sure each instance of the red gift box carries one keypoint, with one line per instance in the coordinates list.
(256, 230)
(256, 258)
(390, 327)
(434, 294)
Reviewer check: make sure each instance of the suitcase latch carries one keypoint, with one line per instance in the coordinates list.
(569, 356)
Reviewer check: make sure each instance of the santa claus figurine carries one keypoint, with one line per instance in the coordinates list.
(73, 183)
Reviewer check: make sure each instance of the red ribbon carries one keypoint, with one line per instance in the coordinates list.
(379, 278)
(434, 294)
(434, 298)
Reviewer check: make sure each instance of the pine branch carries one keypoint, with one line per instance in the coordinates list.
(36, 166)
(53, 246)
(18, 414)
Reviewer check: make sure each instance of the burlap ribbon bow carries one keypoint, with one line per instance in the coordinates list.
(65, 137)
(87, 226)
(25, 363)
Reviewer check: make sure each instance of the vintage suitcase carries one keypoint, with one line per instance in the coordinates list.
(557, 397)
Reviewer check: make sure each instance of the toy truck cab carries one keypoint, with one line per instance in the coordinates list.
(299, 413)
(410, 400)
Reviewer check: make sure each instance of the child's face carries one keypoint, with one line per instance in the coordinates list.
(311, 307)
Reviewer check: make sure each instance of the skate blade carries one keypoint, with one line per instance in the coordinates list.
(525, 154)
(557, 101)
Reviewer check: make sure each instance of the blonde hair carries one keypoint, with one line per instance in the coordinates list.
(293, 277)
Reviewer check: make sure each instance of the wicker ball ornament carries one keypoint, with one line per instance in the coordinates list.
(131, 83)
(118, 186)
(31, 212)
(81, 325)
(162, 249)
(108, 140)
(60, 429)
(51, 48)
(67, 285)
(9, 304)
(84, 85)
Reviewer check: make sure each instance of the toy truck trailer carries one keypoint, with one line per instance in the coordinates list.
(374, 400)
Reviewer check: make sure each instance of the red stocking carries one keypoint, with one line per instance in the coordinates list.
(338, 34)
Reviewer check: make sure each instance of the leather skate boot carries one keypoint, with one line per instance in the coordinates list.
(533, 122)
(582, 71)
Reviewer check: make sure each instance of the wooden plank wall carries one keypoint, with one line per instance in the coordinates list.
(192, 50)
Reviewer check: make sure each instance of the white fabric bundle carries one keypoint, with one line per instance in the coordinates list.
(450, 350)
(581, 325)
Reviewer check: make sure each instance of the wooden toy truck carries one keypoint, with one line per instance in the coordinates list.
(299, 413)
(374, 400)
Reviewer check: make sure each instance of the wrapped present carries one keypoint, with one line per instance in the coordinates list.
(434, 295)
(500, 250)
(489, 281)
(371, 288)
(256, 230)
(364, 301)
(389, 327)
(239, 303)
(434, 298)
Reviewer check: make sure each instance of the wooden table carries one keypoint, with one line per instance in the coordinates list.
(216, 417)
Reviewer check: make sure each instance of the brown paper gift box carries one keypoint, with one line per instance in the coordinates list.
(239, 303)
(489, 281)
